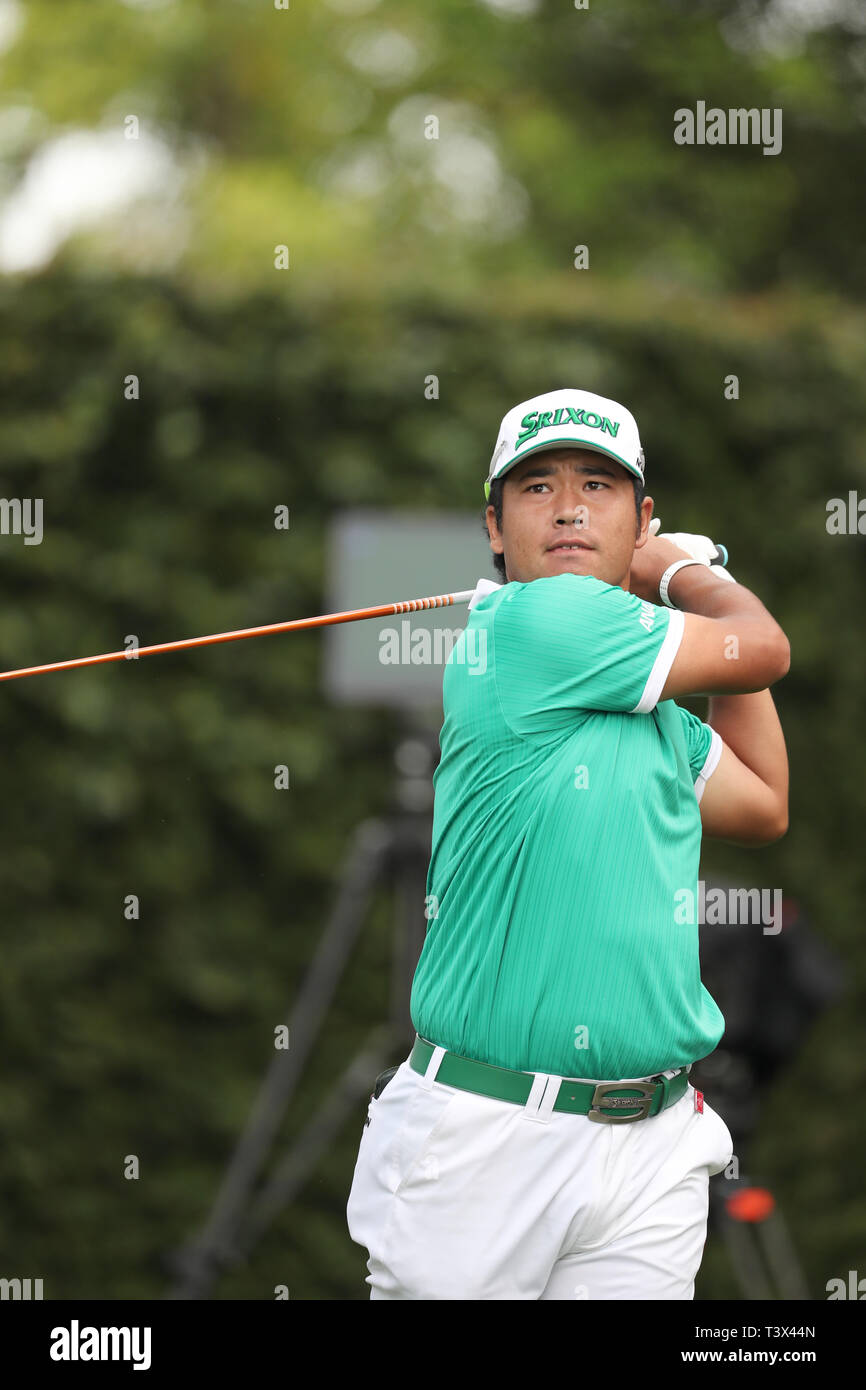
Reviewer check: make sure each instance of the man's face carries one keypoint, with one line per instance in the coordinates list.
(561, 496)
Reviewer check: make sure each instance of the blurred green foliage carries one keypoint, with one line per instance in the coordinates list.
(306, 126)
(149, 1036)
(306, 388)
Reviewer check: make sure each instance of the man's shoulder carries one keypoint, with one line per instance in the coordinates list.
(553, 591)
(557, 584)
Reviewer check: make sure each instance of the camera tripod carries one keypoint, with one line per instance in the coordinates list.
(393, 851)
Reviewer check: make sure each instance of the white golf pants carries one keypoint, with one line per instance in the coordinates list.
(460, 1196)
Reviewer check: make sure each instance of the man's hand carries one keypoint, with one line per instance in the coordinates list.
(649, 564)
(699, 547)
(660, 550)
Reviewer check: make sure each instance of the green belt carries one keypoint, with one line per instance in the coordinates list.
(588, 1098)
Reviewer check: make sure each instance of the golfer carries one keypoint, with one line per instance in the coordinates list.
(542, 1140)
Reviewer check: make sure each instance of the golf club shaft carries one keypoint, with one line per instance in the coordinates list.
(383, 610)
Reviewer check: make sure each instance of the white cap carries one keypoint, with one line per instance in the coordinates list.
(563, 419)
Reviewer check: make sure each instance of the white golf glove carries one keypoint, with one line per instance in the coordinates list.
(698, 547)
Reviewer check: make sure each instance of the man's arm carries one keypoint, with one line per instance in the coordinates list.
(731, 644)
(746, 798)
(731, 648)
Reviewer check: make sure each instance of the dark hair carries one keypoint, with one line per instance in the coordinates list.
(496, 503)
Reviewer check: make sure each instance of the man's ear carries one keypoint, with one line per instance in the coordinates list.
(646, 516)
(496, 544)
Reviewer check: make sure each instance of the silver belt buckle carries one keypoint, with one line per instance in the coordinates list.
(643, 1103)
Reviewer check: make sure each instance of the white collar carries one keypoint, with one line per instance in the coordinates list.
(482, 589)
